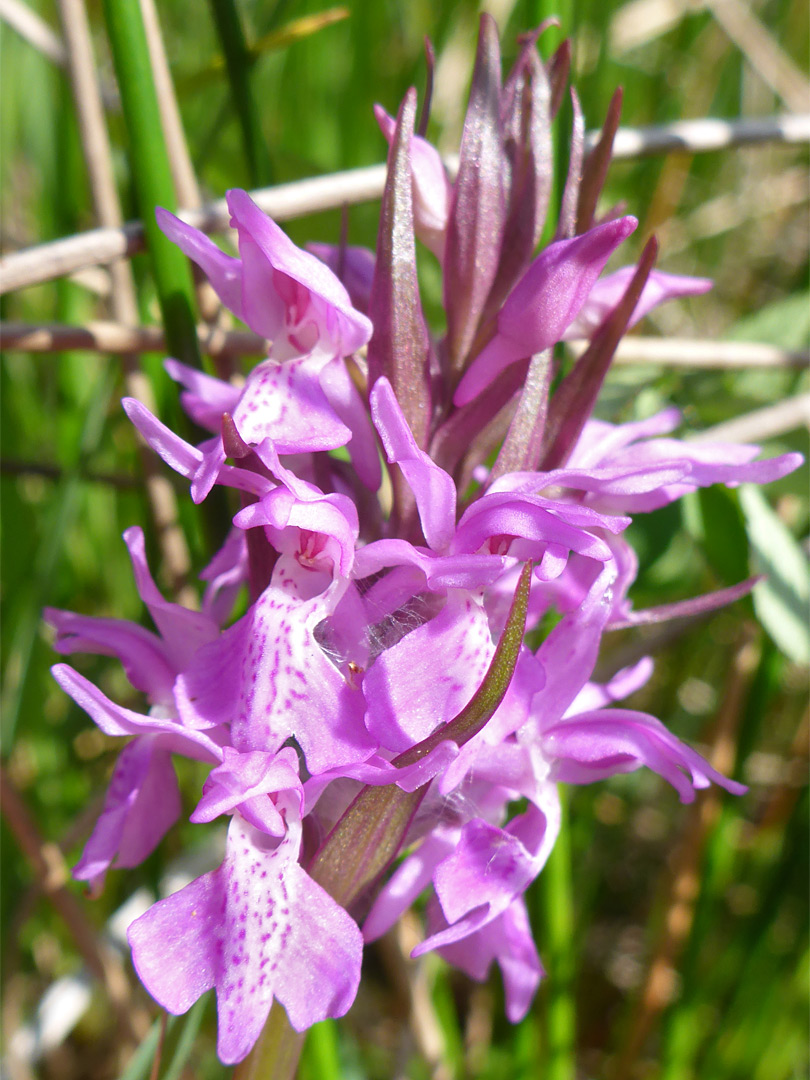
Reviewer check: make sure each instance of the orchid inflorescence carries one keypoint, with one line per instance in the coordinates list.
(379, 698)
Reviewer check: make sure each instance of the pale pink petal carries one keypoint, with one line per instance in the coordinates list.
(223, 271)
(609, 290)
(141, 805)
(142, 653)
(256, 928)
(601, 743)
(430, 675)
(205, 398)
(544, 302)
(433, 488)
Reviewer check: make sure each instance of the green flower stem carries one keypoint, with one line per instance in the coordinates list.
(321, 1059)
(276, 1052)
(151, 174)
(557, 902)
(239, 62)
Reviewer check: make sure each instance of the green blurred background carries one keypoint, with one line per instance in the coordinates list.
(681, 934)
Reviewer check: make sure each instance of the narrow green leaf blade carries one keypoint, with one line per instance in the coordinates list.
(151, 174)
(782, 600)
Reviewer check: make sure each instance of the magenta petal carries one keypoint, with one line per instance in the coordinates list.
(141, 805)
(618, 480)
(269, 256)
(488, 866)
(432, 190)
(226, 574)
(507, 939)
(440, 572)
(429, 676)
(407, 882)
(205, 398)
(319, 971)
(600, 440)
(176, 944)
(176, 452)
(433, 488)
(249, 778)
(223, 271)
(607, 293)
(183, 631)
(624, 682)
(544, 302)
(256, 928)
(530, 523)
(344, 397)
(601, 743)
(354, 266)
(142, 653)
(269, 677)
(568, 654)
(114, 719)
(285, 402)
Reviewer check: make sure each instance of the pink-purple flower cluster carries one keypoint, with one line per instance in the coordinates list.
(393, 485)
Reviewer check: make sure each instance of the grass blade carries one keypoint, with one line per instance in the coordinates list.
(151, 173)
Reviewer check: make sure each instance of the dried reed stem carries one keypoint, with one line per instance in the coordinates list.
(285, 201)
(96, 147)
(767, 423)
(34, 30)
(112, 337)
(116, 338)
(766, 57)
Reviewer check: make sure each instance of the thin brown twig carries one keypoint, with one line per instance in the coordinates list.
(98, 156)
(766, 423)
(185, 182)
(111, 337)
(115, 338)
(703, 353)
(33, 29)
(186, 187)
(154, 1072)
(44, 262)
(52, 874)
(785, 796)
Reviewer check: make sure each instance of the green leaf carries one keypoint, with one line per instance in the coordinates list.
(151, 174)
(238, 63)
(785, 323)
(724, 538)
(140, 1064)
(781, 600)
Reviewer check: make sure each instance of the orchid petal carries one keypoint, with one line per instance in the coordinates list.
(205, 399)
(607, 293)
(598, 744)
(223, 271)
(114, 719)
(142, 653)
(256, 928)
(269, 677)
(432, 487)
(544, 302)
(141, 805)
(429, 676)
